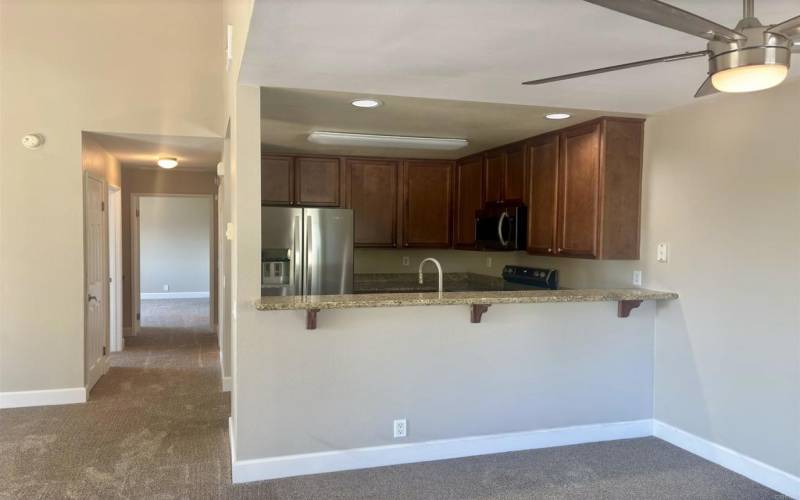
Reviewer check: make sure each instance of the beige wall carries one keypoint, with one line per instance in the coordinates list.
(722, 186)
(69, 67)
(152, 181)
(525, 367)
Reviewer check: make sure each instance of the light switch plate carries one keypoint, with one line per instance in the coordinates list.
(662, 253)
(637, 278)
(406, 261)
(488, 262)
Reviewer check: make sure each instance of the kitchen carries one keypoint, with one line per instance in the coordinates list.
(496, 206)
(363, 254)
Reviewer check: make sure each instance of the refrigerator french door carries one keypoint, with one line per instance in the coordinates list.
(306, 251)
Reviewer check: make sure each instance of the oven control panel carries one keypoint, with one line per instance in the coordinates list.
(532, 276)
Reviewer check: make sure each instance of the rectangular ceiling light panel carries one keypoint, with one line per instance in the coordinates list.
(386, 141)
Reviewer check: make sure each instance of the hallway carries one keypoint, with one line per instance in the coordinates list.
(156, 422)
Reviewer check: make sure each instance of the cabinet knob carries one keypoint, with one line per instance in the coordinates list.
(549, 250)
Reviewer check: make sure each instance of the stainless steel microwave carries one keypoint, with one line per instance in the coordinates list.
(501, 227)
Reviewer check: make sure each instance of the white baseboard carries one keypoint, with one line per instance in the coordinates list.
(361, 458)
(227, 383)
(19, 399)
(750, 468)
(175, 295)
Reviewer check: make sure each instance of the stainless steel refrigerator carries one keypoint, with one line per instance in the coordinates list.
(306, 251)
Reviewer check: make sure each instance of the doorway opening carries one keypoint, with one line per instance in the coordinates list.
(117, 340)
(173, 259)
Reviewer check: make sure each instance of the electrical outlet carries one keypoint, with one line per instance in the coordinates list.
(406, 261)
(400, 428)
(662, 253)
(488, 262)
(637, 278)
(166, 288)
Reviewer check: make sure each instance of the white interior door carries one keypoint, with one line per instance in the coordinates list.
(96, 280)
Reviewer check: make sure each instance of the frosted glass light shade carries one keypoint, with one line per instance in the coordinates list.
(749, 78)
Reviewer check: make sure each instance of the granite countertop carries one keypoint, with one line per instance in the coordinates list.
(458, 298)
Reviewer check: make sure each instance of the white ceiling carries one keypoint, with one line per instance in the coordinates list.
(289, 115)
(480, 50)
(142, 150)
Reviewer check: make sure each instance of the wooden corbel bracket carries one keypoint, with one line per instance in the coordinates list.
(476, 312)
(311, 319)
(624, 307)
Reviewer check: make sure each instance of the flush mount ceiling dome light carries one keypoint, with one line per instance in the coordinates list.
(366, 103)
(166, 162)
(557, 116)
(386, 141)
(749, 57)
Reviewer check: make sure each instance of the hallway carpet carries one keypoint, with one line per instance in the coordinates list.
(156, 427)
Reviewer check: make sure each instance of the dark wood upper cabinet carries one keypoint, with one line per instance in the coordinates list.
(427, 203)
(597, 188)
(578, 192)
(277, 180)
(469, 189)
(504, 173)
(494, 176)
(543, 186)
(513, 178)
(372, 194)
(318, 182)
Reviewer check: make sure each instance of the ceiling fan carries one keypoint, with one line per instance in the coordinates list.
(747, 58)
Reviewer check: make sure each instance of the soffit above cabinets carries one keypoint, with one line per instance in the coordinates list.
(481, 50)
(288, 116)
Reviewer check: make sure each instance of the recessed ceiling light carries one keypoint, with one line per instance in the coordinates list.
(557, 116)
(366, 103)
(165, 162)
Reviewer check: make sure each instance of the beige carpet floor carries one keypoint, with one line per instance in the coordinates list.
(156, 427)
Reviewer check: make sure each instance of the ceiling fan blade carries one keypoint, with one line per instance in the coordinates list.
(706, 88)
(607, 69)
(666, 15)
(789, 28)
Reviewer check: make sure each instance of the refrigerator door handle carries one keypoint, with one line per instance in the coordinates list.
(296, 253)
(308, 255)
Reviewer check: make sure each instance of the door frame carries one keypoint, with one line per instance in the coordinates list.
(115, 301)
(136, 264)
(104, 260)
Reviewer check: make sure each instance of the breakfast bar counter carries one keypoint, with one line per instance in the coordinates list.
(320, 302)
(479, 302)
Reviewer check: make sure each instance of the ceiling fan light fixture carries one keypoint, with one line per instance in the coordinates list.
(165, 162)
(750, 78)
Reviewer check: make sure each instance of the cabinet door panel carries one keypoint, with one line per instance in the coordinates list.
(469, 188)
(277, 180)
(427, 187)
(494, 175)
(513, 180)
(578, 192)
(373, 198)
(318, 182)
(543, 192)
